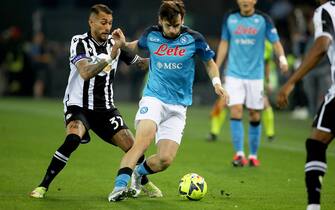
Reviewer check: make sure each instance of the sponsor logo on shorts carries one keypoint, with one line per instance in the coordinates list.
(144, 110)
(67, 117)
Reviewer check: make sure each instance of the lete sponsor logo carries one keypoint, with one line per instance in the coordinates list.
(245, 30)
(164, 49)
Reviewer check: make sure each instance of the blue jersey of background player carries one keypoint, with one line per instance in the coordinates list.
(246, 37)
(172, 69)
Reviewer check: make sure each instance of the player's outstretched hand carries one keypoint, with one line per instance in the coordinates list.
(220, 91)
(282, 97)
(284, 68)
(118, 36)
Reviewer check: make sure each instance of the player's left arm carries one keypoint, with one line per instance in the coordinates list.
(273, 37)
(314, 55)
(134, 59)
(280, 53)
(214, 75)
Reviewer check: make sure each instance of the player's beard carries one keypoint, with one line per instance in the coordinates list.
(171, 36)
(103, 37)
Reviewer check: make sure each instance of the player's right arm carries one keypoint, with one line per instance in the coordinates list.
(314, 55)
(324, 30)
(221, 53)
(88, 69)
(224, 42)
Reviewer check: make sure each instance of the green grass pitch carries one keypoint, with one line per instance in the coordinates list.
(31, 131)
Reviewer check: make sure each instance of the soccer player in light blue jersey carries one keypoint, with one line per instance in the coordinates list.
(167, 94)
(242, 42)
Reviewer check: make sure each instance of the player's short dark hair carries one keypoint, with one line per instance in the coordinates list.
(170, 9)
(97, 8)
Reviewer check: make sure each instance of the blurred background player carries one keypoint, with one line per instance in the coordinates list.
(324, 123)
(219, 112)
(243, 38)
(88, 100)
(167, 94)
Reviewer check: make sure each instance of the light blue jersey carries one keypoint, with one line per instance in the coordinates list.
(246, 36)
(171, 71)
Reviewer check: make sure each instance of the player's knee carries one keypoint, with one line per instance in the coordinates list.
(254, 115)
(321, 136)
(165, 161)
(76, 127)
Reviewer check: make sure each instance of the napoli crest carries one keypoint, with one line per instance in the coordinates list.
(183, 40)
(144, 110)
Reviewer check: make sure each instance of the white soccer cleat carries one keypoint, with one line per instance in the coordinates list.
(313, 207)
(151, 190)
(118, 194)
(38, 192)
(135, 185)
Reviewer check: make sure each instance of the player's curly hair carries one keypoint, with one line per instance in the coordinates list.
(170, 9)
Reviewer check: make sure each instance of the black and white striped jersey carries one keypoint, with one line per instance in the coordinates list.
(97, 92)
(324, 24)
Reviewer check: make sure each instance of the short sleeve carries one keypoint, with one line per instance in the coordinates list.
(225, 35)
(323, 24)
(77, 50)
(270, 30)
(143, 40)
(202, 48)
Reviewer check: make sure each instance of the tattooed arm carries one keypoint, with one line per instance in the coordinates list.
(88, 70)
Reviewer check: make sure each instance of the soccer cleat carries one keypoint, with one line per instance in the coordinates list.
(254, 162)
(271, 138)
(313, 207)
(135, 185)
(38, 192)
(118, 194)
(151, 190)
(212, 137)
(239, 161)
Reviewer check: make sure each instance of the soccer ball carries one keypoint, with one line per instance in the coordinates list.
(192, 186)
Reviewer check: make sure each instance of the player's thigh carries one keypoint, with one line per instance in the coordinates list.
(254, 94)
(235, 90)
(173, 124)
(107, 124)
(150, 108)
(123, 139)
(76, 121)
(324, 122)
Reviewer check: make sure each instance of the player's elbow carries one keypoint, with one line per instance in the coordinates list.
(85, 76)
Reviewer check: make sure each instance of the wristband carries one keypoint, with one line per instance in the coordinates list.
(109, 60)
(216, 80)
(283, 60)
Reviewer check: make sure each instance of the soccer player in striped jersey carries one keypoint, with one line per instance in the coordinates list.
(324, 123)
(167, 94)
(88, 100)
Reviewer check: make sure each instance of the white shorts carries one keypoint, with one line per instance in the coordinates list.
(245, 91)
(170, 119)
